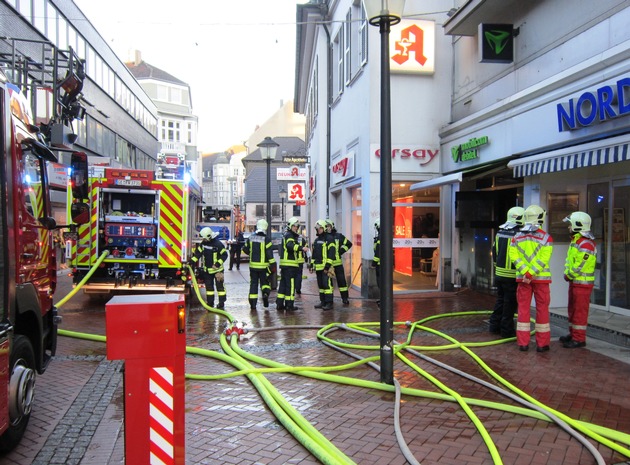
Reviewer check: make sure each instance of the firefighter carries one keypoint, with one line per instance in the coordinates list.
(579, 272)
(376, 260)
(502, 318)
(236, 245)
(302, 257)
(342, 245)
(531, 253)
(289, 266)
(322, 263)
(214, 255)
(261, 264)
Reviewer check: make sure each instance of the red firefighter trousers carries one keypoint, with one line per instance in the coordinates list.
(542, 295)
(579, 301)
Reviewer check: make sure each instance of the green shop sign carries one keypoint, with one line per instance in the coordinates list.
(468, 150)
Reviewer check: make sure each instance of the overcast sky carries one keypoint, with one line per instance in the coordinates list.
(238, 56)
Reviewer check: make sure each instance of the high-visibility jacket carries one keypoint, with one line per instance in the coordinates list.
(503, 265)
(579, 266)
(301, 258)
(323, 251)
(260, 251)
(342, 245)
(290, 249)
(377, 250)
(531, 253)
(214, 254)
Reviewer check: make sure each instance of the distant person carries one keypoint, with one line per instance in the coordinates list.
(261, 264)
(302, 256)
(579, 272)
(209, 256)
(342, 245)
(289, 266)
(321, 261)
(531, 253)
(376, 260)
(506, 305)
(236, 245)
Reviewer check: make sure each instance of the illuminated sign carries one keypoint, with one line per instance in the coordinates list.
(607, 102)
(342, 168)
(496, 43)
(406, 159)
(412, 47)
(297, 193)
(293, 173)
(468, 150)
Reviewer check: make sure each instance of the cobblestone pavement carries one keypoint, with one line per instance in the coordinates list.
(78, 413)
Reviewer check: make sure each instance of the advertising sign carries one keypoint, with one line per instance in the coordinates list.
(403, 217)
(297, 193)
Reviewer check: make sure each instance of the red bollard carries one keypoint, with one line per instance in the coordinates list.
(148, 333)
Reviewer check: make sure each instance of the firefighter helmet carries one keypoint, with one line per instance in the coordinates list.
(534, 214)
(294, 221)
(206, 233)
(580, 221)
(377, 225)
(330, 223)
(515, 215)
(262, 225)
(320, 224)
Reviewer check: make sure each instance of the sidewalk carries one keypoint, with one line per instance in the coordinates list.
(78, 416)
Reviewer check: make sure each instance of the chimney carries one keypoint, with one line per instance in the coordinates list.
(137, 59)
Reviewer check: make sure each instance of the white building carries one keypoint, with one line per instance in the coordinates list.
(343, 128)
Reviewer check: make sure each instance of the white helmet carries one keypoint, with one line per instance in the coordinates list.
(515, 215)
(206, 233)
(580, 221)
(377, 225)
(320, 224)
(262, 225)
(534, 214)
(293, 221)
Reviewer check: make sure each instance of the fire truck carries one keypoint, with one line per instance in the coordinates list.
(144, 220)
(28, 274)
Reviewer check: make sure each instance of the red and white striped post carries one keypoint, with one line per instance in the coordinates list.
(148, 333)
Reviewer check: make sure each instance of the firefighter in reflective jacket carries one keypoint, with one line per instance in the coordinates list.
(342, 245)
(261, 264)
(214, 254)
(579, 271)
(322, 263)
(502, 318)
(531, 253)
(289, 266)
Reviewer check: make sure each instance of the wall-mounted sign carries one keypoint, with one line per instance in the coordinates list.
(496, 43)
(406, 159)
(342, 168)
(468, 150)
(294, 160)
(607, 102)
(294, 173)
(297, 193)
(412, 47)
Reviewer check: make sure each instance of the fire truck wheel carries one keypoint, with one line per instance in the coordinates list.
(21, 391)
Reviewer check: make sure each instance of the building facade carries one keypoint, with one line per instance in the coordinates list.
(550, 127)
(343, 130)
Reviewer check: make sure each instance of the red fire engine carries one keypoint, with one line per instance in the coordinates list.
(28, 274)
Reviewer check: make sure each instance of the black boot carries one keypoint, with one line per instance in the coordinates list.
(319, 305)
(265, 299)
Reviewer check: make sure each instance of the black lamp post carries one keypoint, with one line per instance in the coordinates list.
(282, 193)
(268, 149)
(385, 13)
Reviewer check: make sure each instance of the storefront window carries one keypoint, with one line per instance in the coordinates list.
(598, 204)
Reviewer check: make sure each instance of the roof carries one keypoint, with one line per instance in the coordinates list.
(144, 70)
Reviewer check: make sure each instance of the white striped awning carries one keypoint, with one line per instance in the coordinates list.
(555, 161)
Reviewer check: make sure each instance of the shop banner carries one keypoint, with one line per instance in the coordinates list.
(403, 217)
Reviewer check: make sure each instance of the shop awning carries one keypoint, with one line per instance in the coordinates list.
(592, 154)
(435, 182)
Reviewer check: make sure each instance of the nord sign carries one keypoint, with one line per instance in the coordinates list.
(607, 102)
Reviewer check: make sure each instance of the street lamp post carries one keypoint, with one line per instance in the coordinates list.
(282, 193)
(268, 149)
(385, 13)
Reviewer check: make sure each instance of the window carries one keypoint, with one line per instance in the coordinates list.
(176, 95)
(260, 210)
(347, 55)
(363, 37)
(338, 80)
(162, 93)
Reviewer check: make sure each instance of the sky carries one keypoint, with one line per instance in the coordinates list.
(237, 56)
